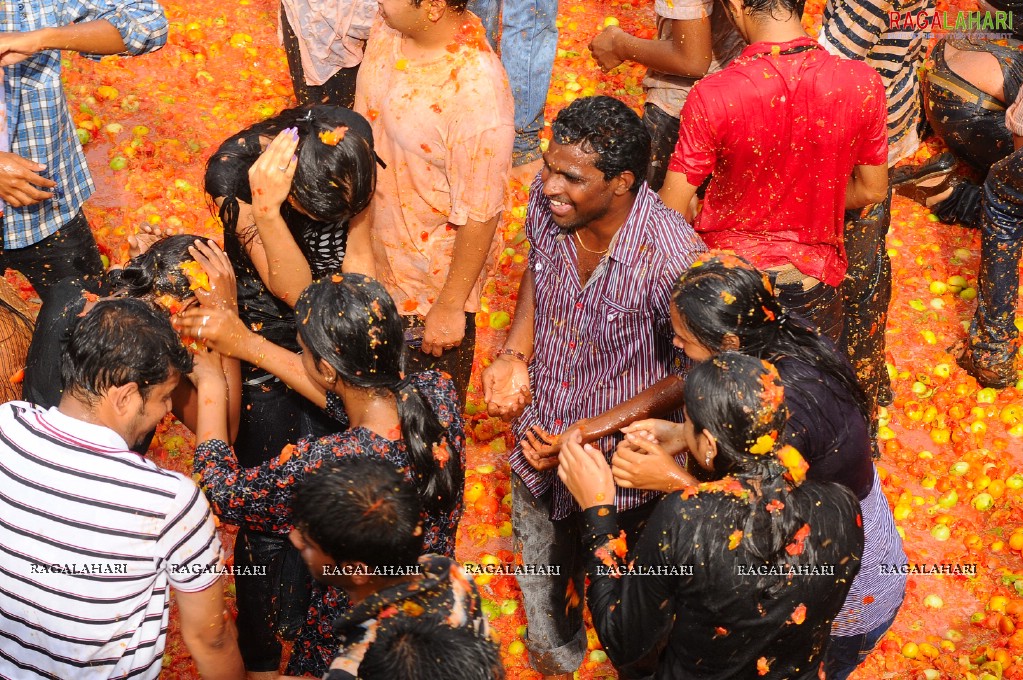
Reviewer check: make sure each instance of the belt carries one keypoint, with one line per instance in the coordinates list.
(787, 275)
(965, 91)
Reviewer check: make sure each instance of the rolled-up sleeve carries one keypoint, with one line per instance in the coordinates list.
(141, 23)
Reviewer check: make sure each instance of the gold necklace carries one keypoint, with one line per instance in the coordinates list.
(583, 246)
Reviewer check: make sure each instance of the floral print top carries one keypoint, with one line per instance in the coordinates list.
(260, 497)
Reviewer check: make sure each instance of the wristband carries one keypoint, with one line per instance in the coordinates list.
(505, 352)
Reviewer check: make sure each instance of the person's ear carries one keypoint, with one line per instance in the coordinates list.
(730, 343)
(326, 371)
(623, 183)
(435, 9)
(297, 539)
(123, 398)
(706, 447)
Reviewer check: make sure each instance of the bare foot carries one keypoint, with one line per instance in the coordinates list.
(526, 173)
(933, 182)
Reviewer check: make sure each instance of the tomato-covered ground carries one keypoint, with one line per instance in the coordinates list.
(952, 452)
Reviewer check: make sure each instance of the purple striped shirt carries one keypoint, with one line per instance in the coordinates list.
(598, 346)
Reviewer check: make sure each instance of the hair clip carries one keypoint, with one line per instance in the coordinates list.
(306, 117)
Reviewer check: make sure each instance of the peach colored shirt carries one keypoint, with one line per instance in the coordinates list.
(445, 130)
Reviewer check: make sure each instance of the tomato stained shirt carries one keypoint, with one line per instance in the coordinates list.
(598, 345)
(779, 132)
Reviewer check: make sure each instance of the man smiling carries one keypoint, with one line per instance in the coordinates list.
(593, 311)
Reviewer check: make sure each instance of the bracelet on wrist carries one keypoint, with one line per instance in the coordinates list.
(506, 352)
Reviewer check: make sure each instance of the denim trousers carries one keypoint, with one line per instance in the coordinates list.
(529, 41)
(663, 131)
(821, 306)
(973, 130)
(555, 636)
(71, 251)
(847, 652)
(993, 332)
(866, 294)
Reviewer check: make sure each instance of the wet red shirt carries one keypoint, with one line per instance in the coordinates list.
(780, 129)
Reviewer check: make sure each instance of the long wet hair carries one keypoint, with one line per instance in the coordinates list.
(155, 272)
(723, 294)
(740, 401)
(350, 322)
(335, 176)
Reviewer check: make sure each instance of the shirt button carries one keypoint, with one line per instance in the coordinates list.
(571, 345)
(538, 266)
(558, 422)
(564, 384)
(578, 305)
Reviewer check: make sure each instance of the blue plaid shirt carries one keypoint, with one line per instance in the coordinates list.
(40, 124)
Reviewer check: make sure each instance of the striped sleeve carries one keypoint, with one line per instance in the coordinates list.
(851, 28)
(189, 541)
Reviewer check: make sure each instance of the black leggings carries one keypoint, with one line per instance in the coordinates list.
(273, 600)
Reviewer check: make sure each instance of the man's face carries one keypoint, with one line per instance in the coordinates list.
(403, 16)
(151, 410)
(576, 188)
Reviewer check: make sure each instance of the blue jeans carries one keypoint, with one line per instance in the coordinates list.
(993, 332)
(529, 41)
(848, 652)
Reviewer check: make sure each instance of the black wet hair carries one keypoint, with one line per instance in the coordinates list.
(609, 128)
(119, 342)
(429, 648)
(775, 9)
(724, 294)
(156, 271)
(332, 183)
(360, 509)
(350, 322)
(457, 6)
(739, 400)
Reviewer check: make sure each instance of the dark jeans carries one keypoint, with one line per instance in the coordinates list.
(273, 600)
(821, 306)
(273, 604)
(339, 90)
(962, 206)
(663, 131)
(556, 639)
(846, 653)
(973, 130)
(455, 362)
(866, 294)
(71, 251)
(993, 332)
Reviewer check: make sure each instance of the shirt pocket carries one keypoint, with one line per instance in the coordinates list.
(618, 327)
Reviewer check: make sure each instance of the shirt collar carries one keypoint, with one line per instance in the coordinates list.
(759, 48)
(97, 435)
(629, 242)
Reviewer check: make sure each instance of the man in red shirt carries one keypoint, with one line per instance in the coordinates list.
(790, 137)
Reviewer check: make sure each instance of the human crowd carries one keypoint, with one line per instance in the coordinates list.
(693, 372)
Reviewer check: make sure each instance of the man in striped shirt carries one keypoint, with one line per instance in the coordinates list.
(593, 311)
(92, 535)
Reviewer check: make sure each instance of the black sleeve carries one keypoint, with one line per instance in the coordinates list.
(58, 314)
(632, 614)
